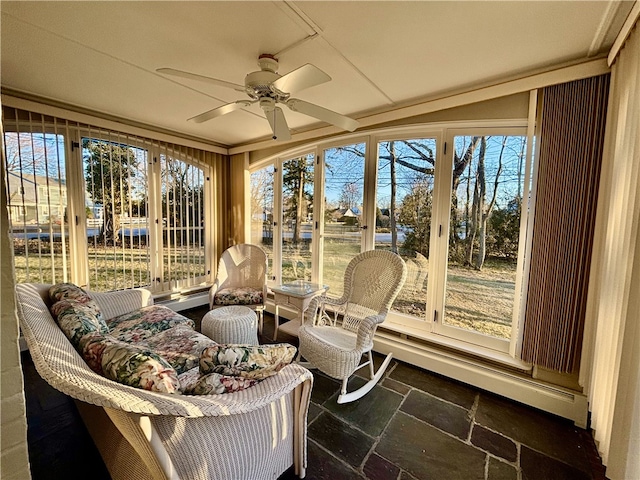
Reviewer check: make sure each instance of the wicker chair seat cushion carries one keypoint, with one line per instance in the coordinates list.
(255, 362)
(238, 296)
(141, 324)
(128, 364)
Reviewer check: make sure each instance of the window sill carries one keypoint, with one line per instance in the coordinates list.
(457, 347)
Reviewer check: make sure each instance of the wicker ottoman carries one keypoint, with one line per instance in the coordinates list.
(231, 324)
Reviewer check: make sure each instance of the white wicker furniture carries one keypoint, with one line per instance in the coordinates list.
(232, 324)
(298, 295)
(257, 433)
(242, 268)
(372, 281)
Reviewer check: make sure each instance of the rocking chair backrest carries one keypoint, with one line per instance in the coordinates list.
(243, 265)
(372, 281)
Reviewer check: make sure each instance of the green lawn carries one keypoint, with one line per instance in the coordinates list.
(480, 301)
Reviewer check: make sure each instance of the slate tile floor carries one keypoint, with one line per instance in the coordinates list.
(412, 425)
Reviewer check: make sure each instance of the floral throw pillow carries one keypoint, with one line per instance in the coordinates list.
(214, 383)
(128, 364)
(67, 290)
(247, 361)
(76, 313)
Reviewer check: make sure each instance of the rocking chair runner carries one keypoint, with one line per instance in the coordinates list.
(372, 281)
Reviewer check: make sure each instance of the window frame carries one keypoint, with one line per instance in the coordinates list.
(443, 133)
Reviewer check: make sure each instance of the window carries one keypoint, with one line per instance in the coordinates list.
(404, 203)
(105, 210)
(116, 200)
(262, 211)
(182, 197)
(487, 188)
(36, 180)
(342, 219)
(297, 217)
(454, 217)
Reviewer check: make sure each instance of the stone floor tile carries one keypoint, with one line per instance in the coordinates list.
(321, 465)
(446, 389)
(406, 476)
(445, 416)
(494, 443)
(396, 386)
(537, 466)
(371, 413)
(501, 471)
(314, 412)
(377, 468)
(323, 387)
(425, 452)
(551, 435)
(344, 441)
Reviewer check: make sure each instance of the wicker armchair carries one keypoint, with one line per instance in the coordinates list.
(371, 283)
(253, 434)
(241, 280)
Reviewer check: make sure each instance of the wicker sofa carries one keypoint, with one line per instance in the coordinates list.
(257, 433)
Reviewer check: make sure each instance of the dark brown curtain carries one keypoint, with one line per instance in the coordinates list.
(570, 133)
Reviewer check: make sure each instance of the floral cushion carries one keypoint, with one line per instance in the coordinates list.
(238, 296)
(146, 322)
(181, 346)
(75, 312)
(213, 383)
(248, 361)
(67, 290)
(128, 364)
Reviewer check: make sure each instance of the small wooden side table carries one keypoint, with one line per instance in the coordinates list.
(298, 295)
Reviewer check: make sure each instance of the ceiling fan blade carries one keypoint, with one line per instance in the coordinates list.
(323, 114)
(304, 77)
(201, 78)
(217, 112)
(278, 124)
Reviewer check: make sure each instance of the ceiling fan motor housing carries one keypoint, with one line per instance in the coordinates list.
(259, 84)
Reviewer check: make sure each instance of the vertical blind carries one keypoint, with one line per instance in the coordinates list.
(571, 135)
(106, 209)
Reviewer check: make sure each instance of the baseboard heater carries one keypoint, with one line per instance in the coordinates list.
(549, 398)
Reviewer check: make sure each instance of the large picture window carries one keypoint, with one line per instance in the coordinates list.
(455, 217)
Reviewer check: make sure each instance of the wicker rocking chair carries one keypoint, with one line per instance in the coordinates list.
(241, 280)
(335, 347)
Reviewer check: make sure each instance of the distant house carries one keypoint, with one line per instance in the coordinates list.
(36, 199)
(348, 216)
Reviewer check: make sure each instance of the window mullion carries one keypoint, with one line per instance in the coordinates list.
(77, 216)
(155, 218)
(277, 222)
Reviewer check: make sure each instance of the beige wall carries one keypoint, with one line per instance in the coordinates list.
(238, 207)
(14, 461)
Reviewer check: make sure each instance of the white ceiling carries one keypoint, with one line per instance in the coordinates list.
(103, 56)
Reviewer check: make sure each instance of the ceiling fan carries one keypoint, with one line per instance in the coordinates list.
(268, 88)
